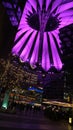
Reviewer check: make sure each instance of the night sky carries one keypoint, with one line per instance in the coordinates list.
(6, 33)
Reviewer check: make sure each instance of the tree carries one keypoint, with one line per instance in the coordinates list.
(11, 76)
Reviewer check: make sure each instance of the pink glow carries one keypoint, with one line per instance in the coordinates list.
(18, 46)
(45, 55)
(64, 7)
(56, 4)
(25, 53)
(34, 57)
(56, 35)
(47, 3)
(56, 58)
(23, 20)
(25, 26)
(66, 21)
(21, 32)
(41, 3)
(33, 3)
(28, 7)
(66, 14)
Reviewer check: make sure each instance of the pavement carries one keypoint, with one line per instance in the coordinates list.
(31, 121)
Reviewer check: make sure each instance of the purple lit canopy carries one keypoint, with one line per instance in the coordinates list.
(37, 39)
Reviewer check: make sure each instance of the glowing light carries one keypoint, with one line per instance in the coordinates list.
(45, 54)
(34, 57)
(40, 3)
(35, 89)
(66, 14)
(26, 51)
(56, 58)
(5, 101)
(55, 4)
(33, 4)
(37, 38)
(70, 120)
(55, 33)
(64, 7)
(18, 46)
(47, 4)
(23, 30)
